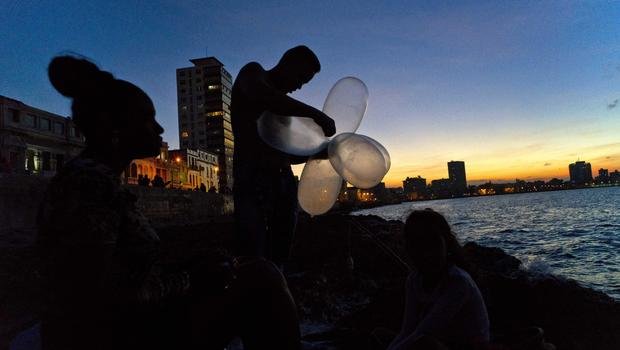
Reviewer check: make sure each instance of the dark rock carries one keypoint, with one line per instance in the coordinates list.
(572, 316)
(349, 272)
(491, 260)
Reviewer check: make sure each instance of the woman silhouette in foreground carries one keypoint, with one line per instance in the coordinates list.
(444, 308)
(105, 287)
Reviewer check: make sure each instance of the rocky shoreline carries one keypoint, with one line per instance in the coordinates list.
(355, 267)
(347, 275)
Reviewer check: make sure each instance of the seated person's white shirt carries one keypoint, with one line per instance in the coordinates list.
(454, 312)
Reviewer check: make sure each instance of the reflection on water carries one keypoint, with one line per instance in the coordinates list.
(574, 233)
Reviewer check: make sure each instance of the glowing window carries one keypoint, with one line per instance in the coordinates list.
(184, 134)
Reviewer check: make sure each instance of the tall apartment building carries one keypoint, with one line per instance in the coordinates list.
(203, 98)
(580, 172)
(456, 173)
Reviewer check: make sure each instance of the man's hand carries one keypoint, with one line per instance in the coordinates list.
(326, 123)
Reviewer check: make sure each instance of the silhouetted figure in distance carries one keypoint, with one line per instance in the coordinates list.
(158, 181)
(105, 285)
(265, 191)
(444, 308)
(203, 188)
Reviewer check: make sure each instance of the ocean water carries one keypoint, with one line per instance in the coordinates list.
(574, 234)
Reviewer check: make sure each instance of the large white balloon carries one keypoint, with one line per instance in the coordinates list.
(319, 187)
(293, 135)
(384, 152)
(360, 160)
(346, 103)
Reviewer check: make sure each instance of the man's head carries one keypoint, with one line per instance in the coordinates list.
(296, 67)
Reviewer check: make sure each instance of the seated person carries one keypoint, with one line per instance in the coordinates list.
(105, 285)
(444, 308)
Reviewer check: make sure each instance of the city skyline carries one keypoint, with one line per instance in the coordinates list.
(516, 90)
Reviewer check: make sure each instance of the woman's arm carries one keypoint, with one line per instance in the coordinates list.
(434, 323)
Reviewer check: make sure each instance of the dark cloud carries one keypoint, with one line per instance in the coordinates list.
(547, 164)
(613, 104)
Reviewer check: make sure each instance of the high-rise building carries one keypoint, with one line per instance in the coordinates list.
(580, 173)
(203, 98)
(456, 174)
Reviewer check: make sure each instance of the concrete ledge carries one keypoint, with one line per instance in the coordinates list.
(21, 195)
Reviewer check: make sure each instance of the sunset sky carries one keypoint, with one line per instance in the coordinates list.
(514, 89)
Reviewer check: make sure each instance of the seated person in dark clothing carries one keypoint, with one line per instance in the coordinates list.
(105, 285)
(444, 308)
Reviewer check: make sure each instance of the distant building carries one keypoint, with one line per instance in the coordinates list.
(580, 173)
(415, 188)
(396, 194)
(614, 177)
(441, 188)
(150, 167)
(555, 184)
(34, 141)
(354, 195)
(202, 167)
(381, 193)
(203, 98)
(456, 174)
(487, 189)
(603, 176)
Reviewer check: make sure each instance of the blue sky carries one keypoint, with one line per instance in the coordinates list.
(515, 89)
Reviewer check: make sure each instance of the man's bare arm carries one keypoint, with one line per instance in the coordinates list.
(252, 82)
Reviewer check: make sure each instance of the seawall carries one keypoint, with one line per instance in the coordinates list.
(20, 196)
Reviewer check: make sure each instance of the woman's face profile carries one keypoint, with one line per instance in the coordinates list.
(142, 138)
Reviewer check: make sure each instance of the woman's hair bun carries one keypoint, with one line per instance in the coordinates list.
(76, 77)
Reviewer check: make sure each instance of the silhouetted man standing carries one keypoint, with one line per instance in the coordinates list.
(265, 191)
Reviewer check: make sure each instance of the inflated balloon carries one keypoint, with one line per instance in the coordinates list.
(346, 104)
(384, 152)
(360, 160)
(293, 135)
(319, 187)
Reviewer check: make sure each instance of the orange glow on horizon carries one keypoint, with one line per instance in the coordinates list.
(498, 168)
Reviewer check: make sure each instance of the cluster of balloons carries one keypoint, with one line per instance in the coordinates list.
(358, 159)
